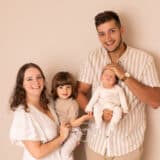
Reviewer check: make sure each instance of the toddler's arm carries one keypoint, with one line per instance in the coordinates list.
(77, 122)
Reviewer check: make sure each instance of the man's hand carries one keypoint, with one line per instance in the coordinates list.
(117, 69)
(107, 115)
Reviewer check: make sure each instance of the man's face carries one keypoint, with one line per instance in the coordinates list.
(110, 35)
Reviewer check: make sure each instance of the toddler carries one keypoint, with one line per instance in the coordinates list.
(64, 93)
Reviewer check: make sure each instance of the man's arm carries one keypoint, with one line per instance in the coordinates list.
(83, 90)
(148, 95)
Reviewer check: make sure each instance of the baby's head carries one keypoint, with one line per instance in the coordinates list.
(108, 78)
(63, 86)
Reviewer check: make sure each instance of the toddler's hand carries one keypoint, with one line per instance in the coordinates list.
(90, 113)
(88, 116)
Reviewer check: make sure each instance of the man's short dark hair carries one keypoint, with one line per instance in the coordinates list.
(106, 16)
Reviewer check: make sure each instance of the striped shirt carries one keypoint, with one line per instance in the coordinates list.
(129, 134)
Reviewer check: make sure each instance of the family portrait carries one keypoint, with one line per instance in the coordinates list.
(81, 80)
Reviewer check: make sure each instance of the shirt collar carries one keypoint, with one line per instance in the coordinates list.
(121, 59)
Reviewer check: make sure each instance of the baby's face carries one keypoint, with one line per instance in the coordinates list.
(108, 78)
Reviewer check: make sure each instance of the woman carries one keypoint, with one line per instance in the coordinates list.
(35, 124)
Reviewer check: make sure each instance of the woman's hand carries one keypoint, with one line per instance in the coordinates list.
(64, 130)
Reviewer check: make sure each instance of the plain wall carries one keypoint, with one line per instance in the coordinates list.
(58, 35)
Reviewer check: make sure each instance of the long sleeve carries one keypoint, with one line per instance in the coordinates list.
(123, 100)
(93, 100)
(73, 110)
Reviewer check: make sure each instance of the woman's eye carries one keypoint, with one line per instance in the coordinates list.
(39, 77)
(29, 79)
(101, 34)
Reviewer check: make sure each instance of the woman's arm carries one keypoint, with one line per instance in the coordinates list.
(39, 150)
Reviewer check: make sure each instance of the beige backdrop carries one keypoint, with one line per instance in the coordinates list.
(57, 35)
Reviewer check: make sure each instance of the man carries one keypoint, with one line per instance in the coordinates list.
(137, 76)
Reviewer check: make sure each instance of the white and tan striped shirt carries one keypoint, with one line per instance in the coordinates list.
(129, 134)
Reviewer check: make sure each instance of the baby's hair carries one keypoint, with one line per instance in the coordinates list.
(61, 79)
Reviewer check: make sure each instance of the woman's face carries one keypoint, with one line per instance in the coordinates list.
(33, 82)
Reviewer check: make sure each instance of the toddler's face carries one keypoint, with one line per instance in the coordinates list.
(64, 91)
(108, 78)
